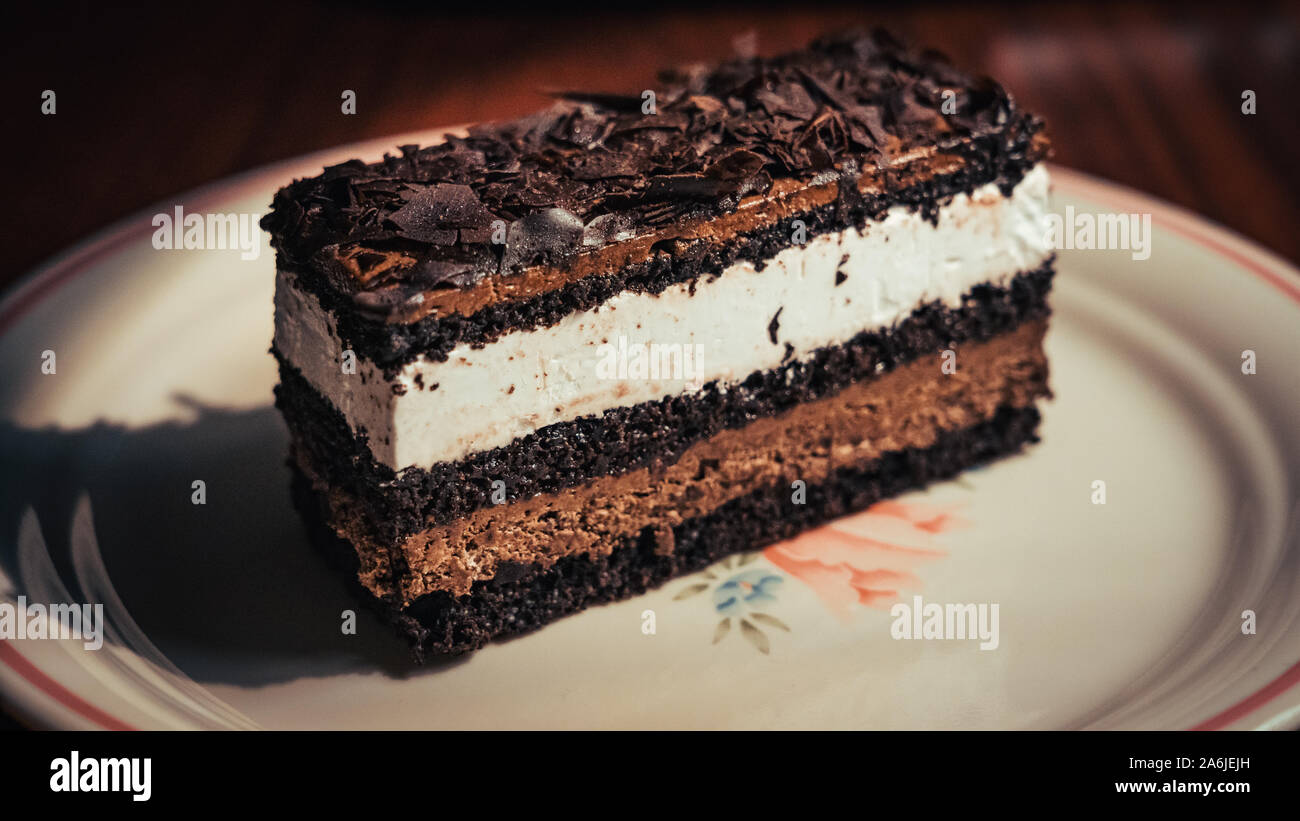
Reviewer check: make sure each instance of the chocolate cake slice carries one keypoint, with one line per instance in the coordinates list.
(561, 359)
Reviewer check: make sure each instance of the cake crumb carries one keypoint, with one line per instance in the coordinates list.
(665, 541)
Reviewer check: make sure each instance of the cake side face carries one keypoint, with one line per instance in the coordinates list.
(680, 317)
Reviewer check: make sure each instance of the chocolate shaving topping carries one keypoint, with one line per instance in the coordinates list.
(542, 237)
(382, 302)
(432, 273)
(594, 169)
(437, 208)
(607, 228)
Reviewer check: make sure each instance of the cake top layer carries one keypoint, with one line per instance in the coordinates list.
(597, 169)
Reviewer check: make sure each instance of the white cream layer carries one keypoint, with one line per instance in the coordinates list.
(526, 380)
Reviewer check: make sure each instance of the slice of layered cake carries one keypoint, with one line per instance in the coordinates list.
(562, 359)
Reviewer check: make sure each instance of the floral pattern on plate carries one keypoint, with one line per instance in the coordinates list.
(860, 560)
(866, 559)
(737, 595)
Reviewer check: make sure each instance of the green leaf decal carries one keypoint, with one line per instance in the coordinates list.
(770, 621)
(721, 630)
(754, 636)
(698, 587)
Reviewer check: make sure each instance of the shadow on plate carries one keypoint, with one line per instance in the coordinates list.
(231, 590)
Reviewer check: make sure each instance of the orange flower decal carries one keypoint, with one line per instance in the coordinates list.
(866, 559)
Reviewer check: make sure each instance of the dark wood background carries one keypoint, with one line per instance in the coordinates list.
(154, 102)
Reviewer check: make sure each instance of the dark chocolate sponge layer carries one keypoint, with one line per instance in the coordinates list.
(568, 453)
(525, 599)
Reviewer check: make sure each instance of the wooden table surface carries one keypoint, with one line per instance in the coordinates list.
(151, 104)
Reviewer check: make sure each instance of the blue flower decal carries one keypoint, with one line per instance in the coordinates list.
(746, 591)
(737, 598)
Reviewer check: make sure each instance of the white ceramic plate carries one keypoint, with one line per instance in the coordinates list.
(1123, 614)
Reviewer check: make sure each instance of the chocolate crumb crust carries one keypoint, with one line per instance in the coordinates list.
(596, 170)
(569, 453)
(524, 598)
